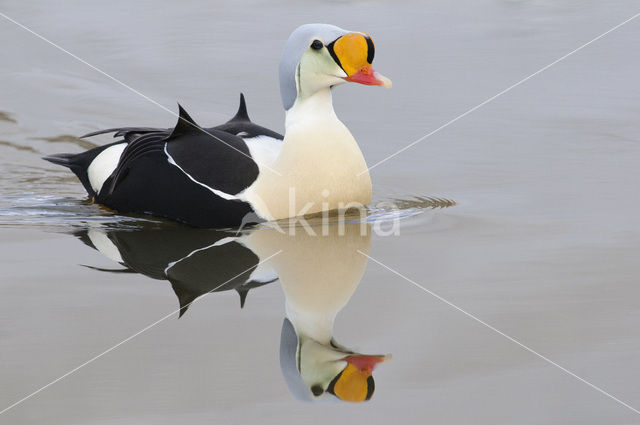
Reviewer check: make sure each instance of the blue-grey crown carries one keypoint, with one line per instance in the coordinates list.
(298, 42)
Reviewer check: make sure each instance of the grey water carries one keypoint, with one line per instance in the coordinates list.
(523, 214)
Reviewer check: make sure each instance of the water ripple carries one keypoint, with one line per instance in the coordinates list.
(50, 211)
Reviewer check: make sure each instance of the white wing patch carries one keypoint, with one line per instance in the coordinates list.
(103, 165)
(263, 274)
(219, 193)
(263, 149)
(103, 244)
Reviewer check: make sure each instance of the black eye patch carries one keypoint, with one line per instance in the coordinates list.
(371, 50)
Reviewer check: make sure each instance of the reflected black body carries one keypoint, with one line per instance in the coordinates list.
(188, 258)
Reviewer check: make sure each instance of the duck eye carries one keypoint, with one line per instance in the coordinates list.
(317, 390)
(317, 45)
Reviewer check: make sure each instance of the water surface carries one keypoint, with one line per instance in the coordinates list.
(542, 241)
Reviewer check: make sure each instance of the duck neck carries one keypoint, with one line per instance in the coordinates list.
(315, 325)
(308, 109)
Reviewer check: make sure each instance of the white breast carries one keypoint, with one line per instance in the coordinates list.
(319, 167)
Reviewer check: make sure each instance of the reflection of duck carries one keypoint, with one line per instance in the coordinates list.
(195, 261)
(214, 177)
(319, 274)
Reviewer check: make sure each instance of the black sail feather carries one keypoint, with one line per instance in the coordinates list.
(214, 158)
(242, 126)
(242, 114)
(185, 125)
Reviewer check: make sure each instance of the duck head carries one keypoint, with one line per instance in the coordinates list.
(311, 368)
(320, 56)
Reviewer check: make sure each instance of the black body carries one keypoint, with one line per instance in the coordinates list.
(171, 172)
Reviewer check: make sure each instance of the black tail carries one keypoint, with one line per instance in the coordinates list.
(64, 159)
(78, 163)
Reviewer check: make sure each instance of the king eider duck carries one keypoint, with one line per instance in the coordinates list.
(216, 177)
